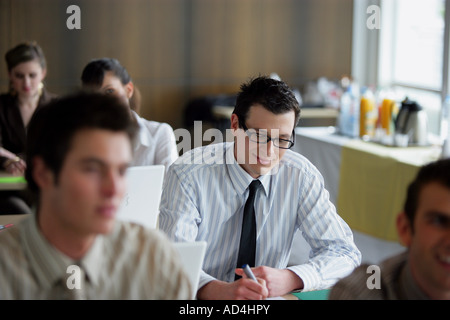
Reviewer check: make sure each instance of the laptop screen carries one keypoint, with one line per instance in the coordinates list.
(143, 196)
(192, 255)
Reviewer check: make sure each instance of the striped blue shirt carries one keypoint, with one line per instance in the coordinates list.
(203, 198)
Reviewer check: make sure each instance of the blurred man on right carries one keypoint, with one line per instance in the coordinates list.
(423, 271)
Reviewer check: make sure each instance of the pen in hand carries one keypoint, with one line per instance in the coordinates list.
(248, 272)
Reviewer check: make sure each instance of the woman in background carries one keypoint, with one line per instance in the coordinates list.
(27, 69)
(155, 143)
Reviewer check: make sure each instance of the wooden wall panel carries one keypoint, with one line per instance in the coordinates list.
(5, 39)
(179, 49)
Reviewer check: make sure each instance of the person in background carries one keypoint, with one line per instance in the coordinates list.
(136, 100)
(27, 69)
(423, 270)
(156, 142)
(73, 248)
(209, 199)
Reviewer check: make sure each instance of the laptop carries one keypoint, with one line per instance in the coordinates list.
(192, 255)
(141, 201)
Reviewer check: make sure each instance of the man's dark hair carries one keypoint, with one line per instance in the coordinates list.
(438, 171)
(274, 95)
(94, 72)
(53, 126)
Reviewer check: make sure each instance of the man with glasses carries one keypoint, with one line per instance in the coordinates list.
(247, 198)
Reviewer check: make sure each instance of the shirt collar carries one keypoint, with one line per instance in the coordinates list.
(49, 264)
(239, 177)
(93, 262)
(143, 137)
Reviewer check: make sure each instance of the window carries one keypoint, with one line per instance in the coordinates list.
(408, 51)
(418, 43)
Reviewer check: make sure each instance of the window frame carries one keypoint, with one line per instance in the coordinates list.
(373, 45)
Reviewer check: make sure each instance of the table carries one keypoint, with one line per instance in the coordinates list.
(9, 182)
(367, 181)
(313, 295)
(11, 219)
(323, 148)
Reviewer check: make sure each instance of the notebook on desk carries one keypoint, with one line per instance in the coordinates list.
(141, 201)
(192, 255)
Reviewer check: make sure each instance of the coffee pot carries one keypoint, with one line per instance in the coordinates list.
(412, 122)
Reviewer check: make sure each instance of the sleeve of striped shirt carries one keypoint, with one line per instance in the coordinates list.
(179, 216)
(334, 253)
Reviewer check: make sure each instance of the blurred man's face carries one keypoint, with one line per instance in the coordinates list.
(91, 184)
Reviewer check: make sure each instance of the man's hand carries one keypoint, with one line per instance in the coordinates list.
(242, 289)
(278, 281)
(15, 166)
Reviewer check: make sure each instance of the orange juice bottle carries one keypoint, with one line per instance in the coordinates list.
(368, 114)
(387, 109)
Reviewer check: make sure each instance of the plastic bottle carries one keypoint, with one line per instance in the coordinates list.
(354, 112)
(445, 113)
(348, 116)
(445, 129)
(388, 109)
(344, 112)
(368, 114)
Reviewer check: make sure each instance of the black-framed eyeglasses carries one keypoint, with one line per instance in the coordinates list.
(262, 138)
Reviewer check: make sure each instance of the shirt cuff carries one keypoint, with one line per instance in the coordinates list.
(310, 277)
(204, 279)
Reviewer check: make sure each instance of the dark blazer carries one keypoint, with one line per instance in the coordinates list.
(12, 131)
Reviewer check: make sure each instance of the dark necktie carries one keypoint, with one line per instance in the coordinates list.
(247, 246)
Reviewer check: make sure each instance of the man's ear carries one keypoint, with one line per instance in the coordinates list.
(404, 229)
(42, 175)
(129, 88)
(234, 123)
